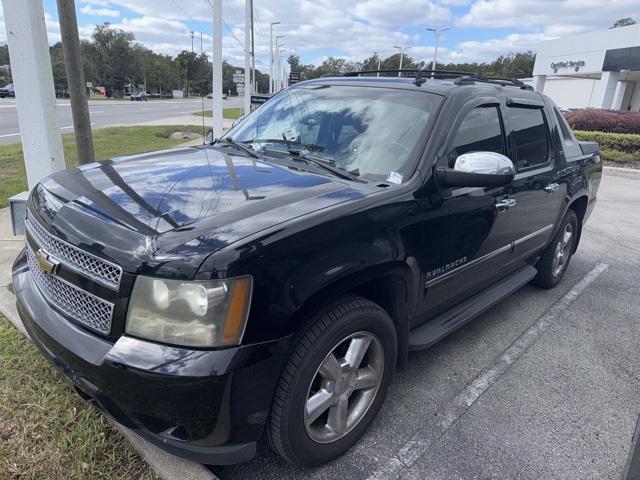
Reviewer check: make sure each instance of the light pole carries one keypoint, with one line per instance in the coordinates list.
(275, 64)
(280, 77)
(271, 55)
(402, 49)
(438, 33)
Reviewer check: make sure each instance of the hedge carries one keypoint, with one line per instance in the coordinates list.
(614, 147)
(596, 120)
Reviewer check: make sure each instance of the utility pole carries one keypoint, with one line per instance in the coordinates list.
(280, 76)
(201, 45)
(35, 93)
(253, 53)
(376, 54)
(192, 34)
(217, 69)
(438, 33)
(271, 56)
(247, 57)
(76, 80)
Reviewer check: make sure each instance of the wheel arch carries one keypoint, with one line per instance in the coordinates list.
(579, 206)
(391, 286)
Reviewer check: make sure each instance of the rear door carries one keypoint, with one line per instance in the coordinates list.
(468, 240)
(536, 187)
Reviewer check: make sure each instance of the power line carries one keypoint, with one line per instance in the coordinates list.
(226, 25)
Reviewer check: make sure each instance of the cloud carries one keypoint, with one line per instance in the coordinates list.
(412, 12)
(100, 12)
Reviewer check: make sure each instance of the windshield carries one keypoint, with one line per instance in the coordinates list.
(369, 131)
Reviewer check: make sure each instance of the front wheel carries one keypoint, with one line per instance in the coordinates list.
(334, 382)
(555, 258)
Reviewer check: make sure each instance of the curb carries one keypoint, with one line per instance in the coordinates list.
(164, 464)
(622, 169)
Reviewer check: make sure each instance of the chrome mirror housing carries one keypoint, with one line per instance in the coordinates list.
(487, 163)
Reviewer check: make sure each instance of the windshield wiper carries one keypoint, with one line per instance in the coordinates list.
(248, 150)
(329, 165)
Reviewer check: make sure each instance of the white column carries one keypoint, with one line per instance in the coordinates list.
(247, 57)
(538, 83)
(605, 90)
(218, 128)
(618, 97)
(35, 94)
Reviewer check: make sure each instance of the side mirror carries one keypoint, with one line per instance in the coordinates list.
(237, 121)
(477, 169)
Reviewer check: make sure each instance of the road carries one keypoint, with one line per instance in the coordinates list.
(543, 386)
(108, 112)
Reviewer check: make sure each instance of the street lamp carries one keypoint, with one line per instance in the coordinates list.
(279, 65)
(438, 33)
(275, 78)
(271, 55)
(402, 49)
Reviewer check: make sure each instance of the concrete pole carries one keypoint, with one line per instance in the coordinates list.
(271, 55)
(35, 94)
(76, 80)
(253, 54)
(247, 57)
(217, 69)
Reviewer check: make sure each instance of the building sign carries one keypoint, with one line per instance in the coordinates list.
(575, 64)
(238, 79)
(294, 77)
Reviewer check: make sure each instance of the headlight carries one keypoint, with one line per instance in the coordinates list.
(196, 314)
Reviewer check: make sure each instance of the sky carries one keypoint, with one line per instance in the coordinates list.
(479, 30)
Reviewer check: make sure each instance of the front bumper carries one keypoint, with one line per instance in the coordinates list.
(206, 405)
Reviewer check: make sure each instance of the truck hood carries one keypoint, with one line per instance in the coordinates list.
(165, 212)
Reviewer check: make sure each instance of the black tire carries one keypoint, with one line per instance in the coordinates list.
(335, 323)
(549, 272)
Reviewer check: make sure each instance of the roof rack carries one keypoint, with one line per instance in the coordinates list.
(459, 78)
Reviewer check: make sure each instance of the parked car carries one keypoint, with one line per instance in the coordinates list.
(210, 96)
(7, 91)
(273, 281)
(139, 97)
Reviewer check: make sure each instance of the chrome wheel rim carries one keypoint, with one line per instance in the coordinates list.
(344, 387)
(562, 251)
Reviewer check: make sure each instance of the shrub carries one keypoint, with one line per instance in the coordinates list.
(591, 119)
(623, 142)
(614, 147)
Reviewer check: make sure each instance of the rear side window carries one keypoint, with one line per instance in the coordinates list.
(480, 131)
(530, 136)
(569, 142)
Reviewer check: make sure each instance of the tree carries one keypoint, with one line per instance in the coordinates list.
(114, 58)
(623, 22)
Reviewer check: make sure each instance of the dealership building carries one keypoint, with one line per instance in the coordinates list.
(599, 69)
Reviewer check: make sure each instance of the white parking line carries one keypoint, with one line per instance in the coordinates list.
(451, 412)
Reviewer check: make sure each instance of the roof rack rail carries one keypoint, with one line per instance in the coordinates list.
(460, 78)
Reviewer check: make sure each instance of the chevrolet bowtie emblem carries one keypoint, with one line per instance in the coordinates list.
(46, 263)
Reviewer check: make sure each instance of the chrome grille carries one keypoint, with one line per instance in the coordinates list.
(82, 306)
(97, 269)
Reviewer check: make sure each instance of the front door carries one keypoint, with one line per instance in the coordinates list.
(468, 238)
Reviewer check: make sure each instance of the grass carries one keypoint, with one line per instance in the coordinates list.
(231, 112)
(108, 142)
(46, 430)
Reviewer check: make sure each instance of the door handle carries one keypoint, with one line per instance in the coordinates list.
(552, 187)
(505, 203)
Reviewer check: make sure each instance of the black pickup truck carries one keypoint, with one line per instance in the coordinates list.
(273, 280)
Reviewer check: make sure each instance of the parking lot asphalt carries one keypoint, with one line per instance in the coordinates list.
(109, 112)
(545, 385)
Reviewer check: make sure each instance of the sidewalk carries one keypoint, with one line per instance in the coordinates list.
(182, 120)
(165, 465)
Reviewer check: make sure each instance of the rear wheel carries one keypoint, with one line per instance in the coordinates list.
(555, 258)
(334, 382)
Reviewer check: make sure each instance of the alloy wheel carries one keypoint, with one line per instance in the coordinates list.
(344, 387)
(563, 250)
